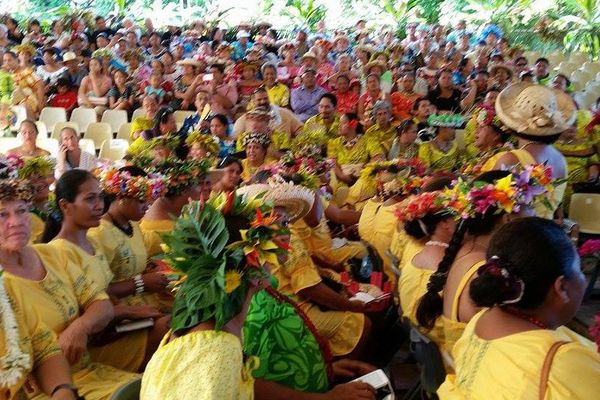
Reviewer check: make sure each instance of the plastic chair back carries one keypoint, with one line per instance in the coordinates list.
(48, 144)
(7, 143)
(60, 125)
(83, 116)
(87, 145)
(98, 132)
(138, 112)
(124, 131)
(51, 115)
(585, 211)
(430, 361)
(114, 149)
(42, 130)
(129, 391)
(115, 118)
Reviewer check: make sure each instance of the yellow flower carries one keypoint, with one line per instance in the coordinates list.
(233, 279)
(165, 248)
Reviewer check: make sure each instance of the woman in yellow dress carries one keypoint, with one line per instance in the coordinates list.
(518, 345)
(377, 222)
(45, 281)
(256, 146)
(258, 120)
(80, 204)
(537, 114)
(441, 153)
(27, 345)
(351, 150)
(201, 357)
(129, 191)
(184, 179)
(430, 224)
(202, 146)
(484, 204)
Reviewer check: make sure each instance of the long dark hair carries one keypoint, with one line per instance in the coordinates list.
(431, 304)
(534, 252)
(67, 188)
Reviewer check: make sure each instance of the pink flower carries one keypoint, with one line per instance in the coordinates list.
(590, 248)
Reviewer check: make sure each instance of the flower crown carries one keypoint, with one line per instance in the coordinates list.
(170, 142)
(123, 184)
(103, 52)
(25, 48)
(395, 177)
(178, 174)
(446, 120)
(418, 206)
(217, 275)
(486, 116)
(37, 166)
(299, 169)
(207, 142)
(524, 186)
(260, 138)
(11, 186)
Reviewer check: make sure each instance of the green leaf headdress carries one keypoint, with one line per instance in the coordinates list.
(218, 275)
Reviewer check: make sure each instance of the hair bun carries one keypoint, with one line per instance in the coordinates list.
(495, 284)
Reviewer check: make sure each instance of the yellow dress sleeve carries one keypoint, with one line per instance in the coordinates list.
(103, 240)
(425, 154)
(333, 148)
(374, 148)
(301, 270)
(239, 142)
(37, 228)
(574, 363)
(280, 141)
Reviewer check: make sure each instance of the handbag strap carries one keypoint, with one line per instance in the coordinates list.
(546, 367)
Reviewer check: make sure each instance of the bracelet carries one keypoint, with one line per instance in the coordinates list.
(68, 386)
(139, 284)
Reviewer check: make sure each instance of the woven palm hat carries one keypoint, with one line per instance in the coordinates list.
(535, 110)
(296, 200)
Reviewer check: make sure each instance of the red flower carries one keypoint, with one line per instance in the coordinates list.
(252, 259)
(589, 248)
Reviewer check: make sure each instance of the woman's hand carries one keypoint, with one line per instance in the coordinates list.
(155, 282)
(62, 153)
(347, 368)
(351, 391)
(73, 342)
(136, 312)
(63, 394)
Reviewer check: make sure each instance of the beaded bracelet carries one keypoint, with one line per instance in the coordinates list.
(139, 284)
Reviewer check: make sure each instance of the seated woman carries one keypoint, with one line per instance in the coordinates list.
(163, 125)
(202, 146)
(258, 121)
(404, 98)
(67, 300)
(517, 106)
(441, 153)
(430, 225)
(530, 286)
(351, 150)
(93, 92)
(121, 96)
(184, 183)
(68, 232)
(483, 211)
(27, 344)
(341, 321)
(70, 155)
(145, 122)
(256, 146)
(232, 176)
(129, 191)
(28, 133)
(38, 172)
(404, 145)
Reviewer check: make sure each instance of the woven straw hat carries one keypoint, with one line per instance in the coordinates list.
(296, 200)
(535, 110)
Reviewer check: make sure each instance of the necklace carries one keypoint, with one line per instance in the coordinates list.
(529, 318)
(350, 143)
(14, 364)
(436, 243)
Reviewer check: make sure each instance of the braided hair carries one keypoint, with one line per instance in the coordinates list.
(431, 304)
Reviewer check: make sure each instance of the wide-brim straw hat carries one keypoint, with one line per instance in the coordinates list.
(535, 110)
(308, 54)
(296, 200)
(189, 61)
(492, 70)
(375, 63)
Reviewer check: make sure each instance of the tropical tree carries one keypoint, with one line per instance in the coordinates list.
(306, 14)
(582, 27)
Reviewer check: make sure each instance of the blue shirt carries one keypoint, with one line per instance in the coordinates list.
(239, 52)
(305, 102)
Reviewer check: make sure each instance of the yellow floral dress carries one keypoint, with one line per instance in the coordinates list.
(96, 268)
(437, 160)
(384, 137)
(202, 365)
(126, 256)
(343, 329)
(279, 141)
(510, 367)
(34, 339)
(249, 170)
(315, 132)
(59, 298)
(37, 228)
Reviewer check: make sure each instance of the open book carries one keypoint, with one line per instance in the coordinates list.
(380, 382)
(128, 326)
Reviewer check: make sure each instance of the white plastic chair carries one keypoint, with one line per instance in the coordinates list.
(565, 68)
(20, 114)
(181, 115)
(42, 130)
(585, 210)
(87, 145)
(60, 125)
(52, 115)
(7, 143)
(138, 112)
(98, 132)
(114, 149)
(48, 144)
(115, 118)
(83, 116)
(124, 131)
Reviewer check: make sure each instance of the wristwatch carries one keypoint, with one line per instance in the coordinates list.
(68, 386)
